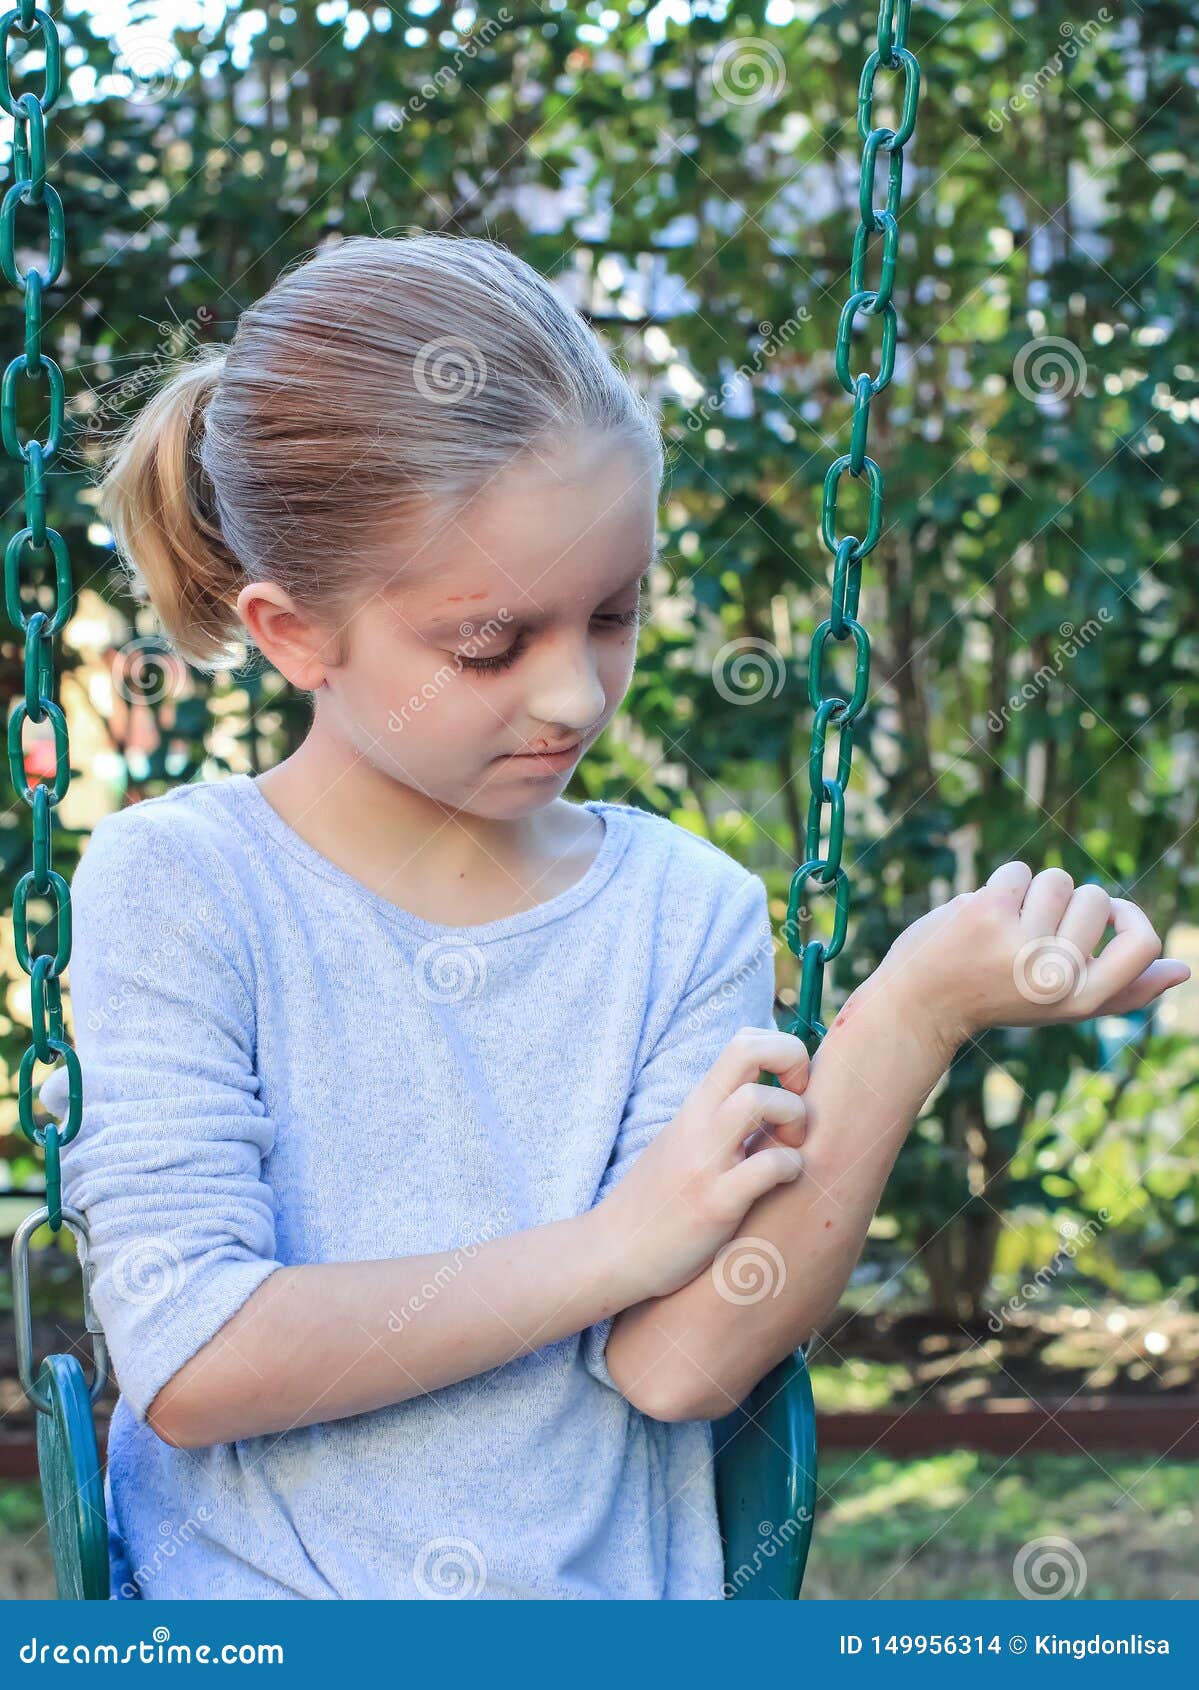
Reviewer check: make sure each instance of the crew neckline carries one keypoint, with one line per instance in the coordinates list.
(611, 848)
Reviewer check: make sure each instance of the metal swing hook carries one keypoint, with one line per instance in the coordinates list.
(23, 1311)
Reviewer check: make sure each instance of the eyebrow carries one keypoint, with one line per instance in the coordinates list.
(453, 624)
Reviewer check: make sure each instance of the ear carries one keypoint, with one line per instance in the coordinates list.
(290, 639)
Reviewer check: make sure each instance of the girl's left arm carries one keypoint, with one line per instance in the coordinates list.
(697, 1353)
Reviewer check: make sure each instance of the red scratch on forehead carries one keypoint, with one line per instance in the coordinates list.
(459, 598)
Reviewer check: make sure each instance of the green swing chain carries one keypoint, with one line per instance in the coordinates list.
(848, 551)
(30, 187)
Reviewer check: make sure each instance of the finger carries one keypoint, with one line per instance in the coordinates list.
(1155, 980)
(757, 1175)
(748, 1052)
(1086, 918)
(792, 1132)
(1129, 954)
(1046, 901)
(1012, 878)
(753, 1106)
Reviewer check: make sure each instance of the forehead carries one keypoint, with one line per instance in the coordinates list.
(542, 540)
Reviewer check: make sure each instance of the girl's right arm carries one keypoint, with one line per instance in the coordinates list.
(315, 1343)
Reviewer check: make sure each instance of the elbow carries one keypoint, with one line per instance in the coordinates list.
(174, 1420)
(671, 1392)
(162, 1424)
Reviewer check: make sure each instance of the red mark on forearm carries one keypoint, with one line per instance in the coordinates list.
(845, 1012)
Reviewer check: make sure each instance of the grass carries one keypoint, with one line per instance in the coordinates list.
(952, 1525)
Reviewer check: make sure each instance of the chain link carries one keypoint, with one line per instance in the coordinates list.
(826, 808)
(35, 28)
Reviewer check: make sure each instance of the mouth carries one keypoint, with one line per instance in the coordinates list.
(546, 759)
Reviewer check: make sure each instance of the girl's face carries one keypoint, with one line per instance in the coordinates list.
(514, 632)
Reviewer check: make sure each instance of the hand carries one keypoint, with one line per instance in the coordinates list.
(686, 1194)
(1019, 953)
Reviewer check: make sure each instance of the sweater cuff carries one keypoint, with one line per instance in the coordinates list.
(593, 1344)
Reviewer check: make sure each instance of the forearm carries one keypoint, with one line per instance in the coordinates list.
(319, 1342)
(697, 1352)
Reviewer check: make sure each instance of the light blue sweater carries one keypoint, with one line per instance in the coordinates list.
(281, 1066)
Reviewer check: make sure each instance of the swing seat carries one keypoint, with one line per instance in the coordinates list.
(765, 1459)
(68, 1456)
(72, 1483)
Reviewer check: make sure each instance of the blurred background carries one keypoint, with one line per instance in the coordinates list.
(1015, 1371)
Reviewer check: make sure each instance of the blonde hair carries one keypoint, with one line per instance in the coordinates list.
(382, 381)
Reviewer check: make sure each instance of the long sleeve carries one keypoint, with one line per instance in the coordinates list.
(730, 986)
(167, 1166)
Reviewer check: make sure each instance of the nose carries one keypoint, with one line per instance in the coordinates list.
(565, 688)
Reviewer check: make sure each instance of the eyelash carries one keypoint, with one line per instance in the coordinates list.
(505, 660)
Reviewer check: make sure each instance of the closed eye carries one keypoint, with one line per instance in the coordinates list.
(608, 622)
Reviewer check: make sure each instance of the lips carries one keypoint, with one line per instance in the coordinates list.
(558, 751)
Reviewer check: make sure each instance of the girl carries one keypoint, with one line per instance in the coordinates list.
(404, 1075)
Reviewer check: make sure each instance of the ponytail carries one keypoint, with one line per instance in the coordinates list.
(157, 499)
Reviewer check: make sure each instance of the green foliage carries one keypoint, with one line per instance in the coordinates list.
(952, 1525)
(1034, 671)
